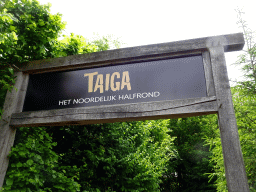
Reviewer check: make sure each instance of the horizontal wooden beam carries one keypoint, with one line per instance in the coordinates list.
(231, 42)
(114, 113)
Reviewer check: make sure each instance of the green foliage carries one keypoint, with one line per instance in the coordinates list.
(120, 156)
(34, 165)
(187, 172)
(7, 80)
(34, 32)
(245, 107)
(74, 45)
(77, 44)
(27, 32)
(106, 42)
(245, 110)
(214, 142)
(104, 157)
(247, 59)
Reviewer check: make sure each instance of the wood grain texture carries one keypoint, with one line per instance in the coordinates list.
(7, 134)
(208, 74)
(114, 113)
(233, 158)
(231, 42)
(22, 94)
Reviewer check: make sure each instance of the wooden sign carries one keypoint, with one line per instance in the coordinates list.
(162, 80)
(168, 80)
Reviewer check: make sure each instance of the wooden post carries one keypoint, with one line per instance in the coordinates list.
(232, 154)
(13, 103)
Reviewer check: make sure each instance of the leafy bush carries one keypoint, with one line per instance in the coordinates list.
(188, 170)
(104, 157)
(245, 107)
(128, 156)
(34, 166)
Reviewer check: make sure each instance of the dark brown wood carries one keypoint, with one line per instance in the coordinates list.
(13, 103)
(232, 154)
(232, 42)
(114, 113)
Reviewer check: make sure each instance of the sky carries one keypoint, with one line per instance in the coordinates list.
(144, 22)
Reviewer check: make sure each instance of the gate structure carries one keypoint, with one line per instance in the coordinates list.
(169, 80)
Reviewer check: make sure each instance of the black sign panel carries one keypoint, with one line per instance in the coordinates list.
(176, 78)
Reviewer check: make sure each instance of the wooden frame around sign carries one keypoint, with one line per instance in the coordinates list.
(218, 98)
(122, 112)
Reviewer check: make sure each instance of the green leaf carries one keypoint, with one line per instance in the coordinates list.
(10, 70)
(30, 162)
(19, 164)
(12, 28)
(9, 181)
(22, 153)
(58, 187)
(41, 22)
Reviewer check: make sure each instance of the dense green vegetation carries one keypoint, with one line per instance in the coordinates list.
(191, 163)
(162, 155)
(245, 115)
